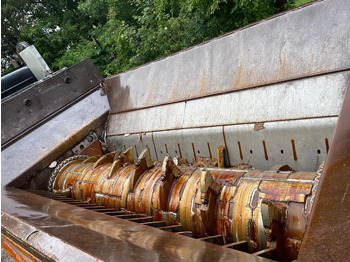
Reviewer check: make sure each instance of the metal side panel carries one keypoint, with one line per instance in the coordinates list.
(306, 41)
(327, 235)
(173, 143)
(27, 108)
(307, 98)
(156, 118)
(302, 144)
(189, 143)
(30, 154)
(61, 232)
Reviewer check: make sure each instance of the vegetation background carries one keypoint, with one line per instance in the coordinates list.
(121, 34)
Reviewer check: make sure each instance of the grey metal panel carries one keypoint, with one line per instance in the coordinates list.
(311, 97)
(43, 145)
(308, 135)
(179, 142)
(173, 143)
(320, 96)
(309, 139)
(311, 40)
(157, 118)
(46, 98)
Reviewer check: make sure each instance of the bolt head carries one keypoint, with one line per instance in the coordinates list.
(27, 102)
(67, 79)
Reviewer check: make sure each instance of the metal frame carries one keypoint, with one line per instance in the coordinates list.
(28, 108)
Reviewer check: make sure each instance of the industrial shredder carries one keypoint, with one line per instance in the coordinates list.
(235, 149)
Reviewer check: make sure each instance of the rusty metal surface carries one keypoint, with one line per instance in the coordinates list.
(46, 99)
(267, 209)
(278, 102)
(327, 237)
(61, 231)
(94, 149)
(243, 59)
(16, 251)
(32, 153)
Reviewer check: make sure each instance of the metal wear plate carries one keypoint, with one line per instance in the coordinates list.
(43, 145)
(327, 236)
(65, 231)
(307, 98)
(25, 109)
(263, 149)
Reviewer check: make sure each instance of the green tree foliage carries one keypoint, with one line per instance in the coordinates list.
(121, 34)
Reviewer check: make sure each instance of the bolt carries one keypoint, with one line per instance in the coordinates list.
(67, 79)
(27, 102)
(89, 139)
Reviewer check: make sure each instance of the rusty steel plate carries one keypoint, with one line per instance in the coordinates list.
(327, 238)
(61, 231)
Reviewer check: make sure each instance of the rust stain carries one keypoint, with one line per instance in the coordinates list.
(265, 150)
(16, 251)
(203, 85)
(240, 150)
(294, 151)
(178, 146)
(226, 148)
(258, 126)
(327, 144)
(94, 149)
(154, 146)
(194, 151)
(209, 151)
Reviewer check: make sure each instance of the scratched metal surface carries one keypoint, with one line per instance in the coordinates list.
(307, 41)
(304, 111)
(311, 138)
(327, 238)
(308, 98)
(71, 231)
(51, 139)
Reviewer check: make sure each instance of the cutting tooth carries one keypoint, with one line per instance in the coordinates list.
(114, 167)
(63, 192)
(127, 156)
(103, 160)
(146, 156)
(116, 154)
(92, 159)
(207, 182)
(169, 167)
